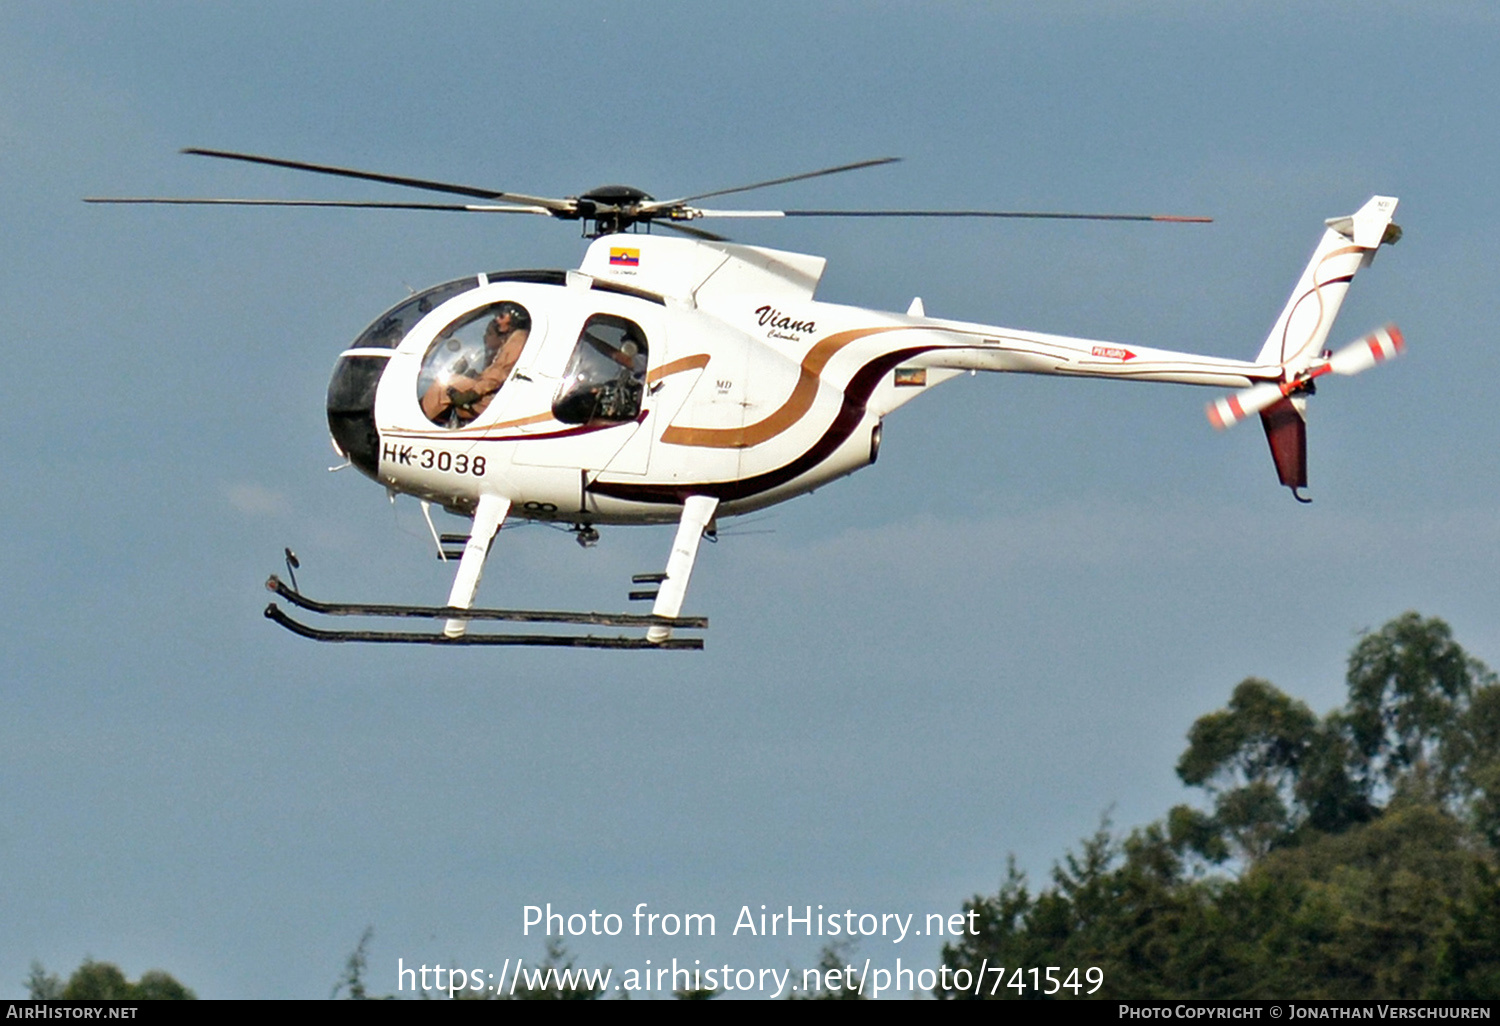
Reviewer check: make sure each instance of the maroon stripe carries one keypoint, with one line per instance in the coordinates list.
(856, 397)
(582, 429)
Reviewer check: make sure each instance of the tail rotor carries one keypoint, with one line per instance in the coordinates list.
(1282, 404)
(1376, 347)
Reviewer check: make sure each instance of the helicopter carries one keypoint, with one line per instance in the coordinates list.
(685, 379)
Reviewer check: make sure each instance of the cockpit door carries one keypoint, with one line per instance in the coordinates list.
(592, 382)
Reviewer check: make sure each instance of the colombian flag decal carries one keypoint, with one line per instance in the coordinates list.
(620, 257)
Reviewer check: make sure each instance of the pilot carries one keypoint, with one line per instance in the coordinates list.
(465, 397)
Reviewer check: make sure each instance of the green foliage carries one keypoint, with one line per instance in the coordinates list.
(1409, 684)
(1475, 752)
(155, 985)
(1422, 721)
(354, 969)
(1471, 957)
(1127, 908)
(557, 978)
(1262, 736)
(1272, 769)
(96, 981)
(834, 958)
(42, 985)
(1366, 912)
(554, 983)
(103, 981)
(1366, 845)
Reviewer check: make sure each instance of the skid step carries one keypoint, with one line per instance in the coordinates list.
(451, 547)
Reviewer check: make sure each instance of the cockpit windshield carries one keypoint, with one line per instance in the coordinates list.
(391, 327)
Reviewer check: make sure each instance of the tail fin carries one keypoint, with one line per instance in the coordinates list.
(1297, 339)
(1283, 405)
(1348, 244)
(1285, 422)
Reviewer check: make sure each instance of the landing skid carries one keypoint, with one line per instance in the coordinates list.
(449, 613)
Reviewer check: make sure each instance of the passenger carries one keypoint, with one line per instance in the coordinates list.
(630, 357)
(465, 397)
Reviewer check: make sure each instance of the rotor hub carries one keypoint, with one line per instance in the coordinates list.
(613, 208)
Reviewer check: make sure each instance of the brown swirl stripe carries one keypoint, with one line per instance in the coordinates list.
(1316, 294)
(789, 412)
(850, 414)
(687, 363)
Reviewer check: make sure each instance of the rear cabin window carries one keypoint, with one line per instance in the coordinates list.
(606, 375)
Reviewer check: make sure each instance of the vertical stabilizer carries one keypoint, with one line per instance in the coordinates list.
(1348, 244)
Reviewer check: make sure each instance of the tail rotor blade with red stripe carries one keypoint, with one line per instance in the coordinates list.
(1230, 410)
(1376, 347)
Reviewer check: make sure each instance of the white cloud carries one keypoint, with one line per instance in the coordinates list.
(256, 500)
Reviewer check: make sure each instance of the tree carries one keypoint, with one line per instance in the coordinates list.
(1128, 910)
(1409, 687)
(557, 978)
(354, 969)
(834, 958)
(1476, 751)
(1367, 847)
(560, 979)
(1422, 719)
(42, 985)
(103, 981)
(1271, 768)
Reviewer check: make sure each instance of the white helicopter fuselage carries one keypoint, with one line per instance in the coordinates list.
(744, 389)
(689, 379)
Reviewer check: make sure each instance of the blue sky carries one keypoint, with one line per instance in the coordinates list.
(975, 648)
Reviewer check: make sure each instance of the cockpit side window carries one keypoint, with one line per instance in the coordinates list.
(606, 376)
(469, 361)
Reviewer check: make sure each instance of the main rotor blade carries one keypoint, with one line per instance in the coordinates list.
(660, 204)
(556, 206)
(481, 208)
(697, 233)
(1019, 214)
